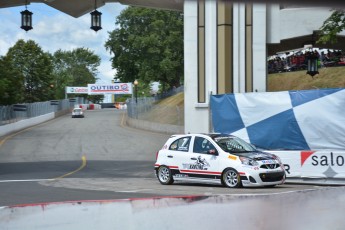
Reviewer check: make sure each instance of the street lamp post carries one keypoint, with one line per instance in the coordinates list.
(136, 91)
(136, 98)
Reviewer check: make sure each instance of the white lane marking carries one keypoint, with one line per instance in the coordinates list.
(31, 180)
(138, 190)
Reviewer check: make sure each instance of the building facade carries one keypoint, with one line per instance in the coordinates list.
(227, 44)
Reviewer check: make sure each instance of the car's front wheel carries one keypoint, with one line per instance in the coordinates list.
(164, 175)
(231, 178)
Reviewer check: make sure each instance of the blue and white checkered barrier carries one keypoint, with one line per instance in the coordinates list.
(290, 120)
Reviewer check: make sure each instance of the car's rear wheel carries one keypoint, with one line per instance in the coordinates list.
(164, 175)
(231, 178)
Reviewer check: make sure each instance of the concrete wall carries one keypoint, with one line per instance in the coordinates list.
(196, 114)
(298, 22)
(23, 124)
(26, 123)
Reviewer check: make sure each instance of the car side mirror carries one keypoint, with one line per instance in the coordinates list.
(212, 152)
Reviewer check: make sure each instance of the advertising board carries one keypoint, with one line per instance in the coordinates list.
(116, 88)
(323, 166)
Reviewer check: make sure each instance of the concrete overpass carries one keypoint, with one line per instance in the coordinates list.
(77, 8)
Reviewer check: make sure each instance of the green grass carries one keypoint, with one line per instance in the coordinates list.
(171, 110)
(332, 77)
(167, 111)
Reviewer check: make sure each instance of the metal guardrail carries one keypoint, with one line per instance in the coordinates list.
(13, 113)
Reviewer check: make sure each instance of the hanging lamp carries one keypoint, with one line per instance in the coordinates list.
(96, 22)
(312, 68)
(26, 19)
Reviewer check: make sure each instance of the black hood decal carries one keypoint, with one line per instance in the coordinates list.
(257, 155)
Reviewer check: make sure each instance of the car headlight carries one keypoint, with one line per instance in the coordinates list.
(248, 161)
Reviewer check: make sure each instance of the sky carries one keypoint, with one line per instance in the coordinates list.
(54, 30)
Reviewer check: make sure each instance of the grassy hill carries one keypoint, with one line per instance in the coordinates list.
(332, 77)
(171, 109)
(167, 111)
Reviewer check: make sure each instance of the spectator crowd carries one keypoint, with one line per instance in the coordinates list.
(299, 61)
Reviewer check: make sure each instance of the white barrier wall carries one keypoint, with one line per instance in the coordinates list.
(321, 209)
(22, 124)
(88, 106)
(318, 166)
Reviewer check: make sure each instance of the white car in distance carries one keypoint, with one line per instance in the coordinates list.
(77, 112)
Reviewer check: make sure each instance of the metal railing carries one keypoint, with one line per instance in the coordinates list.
(169, 93)
(13, 113)
(144, 108)
(173, 115)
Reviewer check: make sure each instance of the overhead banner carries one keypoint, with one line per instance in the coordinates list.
(116, 88)
(76, 90)
(295, 120)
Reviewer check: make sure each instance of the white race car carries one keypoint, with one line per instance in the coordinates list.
(217, 158)
(77, 112)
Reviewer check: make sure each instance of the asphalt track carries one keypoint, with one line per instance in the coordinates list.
(92, 158)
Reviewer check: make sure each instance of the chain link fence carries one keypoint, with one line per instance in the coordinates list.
(13, 113)
(146, 109)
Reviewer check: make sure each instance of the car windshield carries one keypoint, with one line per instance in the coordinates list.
(234, 144)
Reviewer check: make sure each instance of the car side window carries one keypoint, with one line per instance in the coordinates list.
(181, 144)
(202, 145)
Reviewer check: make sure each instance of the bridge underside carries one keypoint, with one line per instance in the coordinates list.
(77, 8)
(296, 43)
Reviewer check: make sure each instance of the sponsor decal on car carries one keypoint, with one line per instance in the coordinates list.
(181, 175)
(221, 138)
(232, 157)
(182, 148)
(200, 164)
(268, 161)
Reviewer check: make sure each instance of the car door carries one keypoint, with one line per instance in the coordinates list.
(176, 152)
(199, 162)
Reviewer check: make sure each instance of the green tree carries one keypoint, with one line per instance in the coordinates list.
(11, 83)
(148, 46)
(333, 25)
(95, 98)
(74, 68)
(36, 68)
